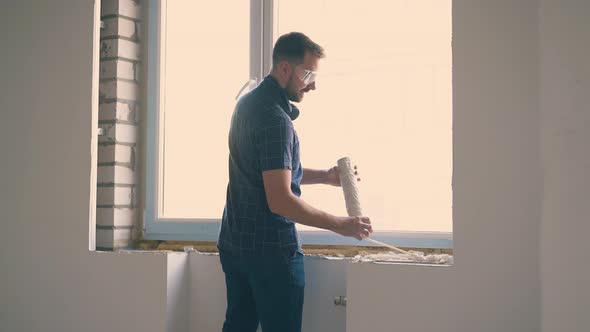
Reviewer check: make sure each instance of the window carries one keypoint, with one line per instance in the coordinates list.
(383, 98)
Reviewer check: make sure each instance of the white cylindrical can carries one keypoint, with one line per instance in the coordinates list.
(349, 187)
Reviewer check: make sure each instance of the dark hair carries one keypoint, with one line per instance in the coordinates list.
(292, 47)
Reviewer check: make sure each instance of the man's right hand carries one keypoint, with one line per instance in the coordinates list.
(282, 201)
(356, 227)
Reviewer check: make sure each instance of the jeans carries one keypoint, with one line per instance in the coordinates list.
(263, 289)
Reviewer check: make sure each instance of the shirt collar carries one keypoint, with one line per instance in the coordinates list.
(277, 91)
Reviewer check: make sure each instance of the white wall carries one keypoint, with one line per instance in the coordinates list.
(49, 281)
(565, 137)
(494, 284)
(178, 293)
(207, 289)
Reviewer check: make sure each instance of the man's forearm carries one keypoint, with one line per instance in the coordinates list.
(298, 210)
(313, 176)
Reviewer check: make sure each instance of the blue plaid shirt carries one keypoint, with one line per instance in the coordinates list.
(261, 138)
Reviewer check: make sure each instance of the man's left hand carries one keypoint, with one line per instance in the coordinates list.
(333, 176)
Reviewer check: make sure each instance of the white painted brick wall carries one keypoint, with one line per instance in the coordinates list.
(112, 48)
(115, 216)
(108, 48)
(117, 69)
(104, 238)
(119, 133)
(119, 26)
(117, 238)
(127, 8)
(119, 92)
(121, 238)
(108, 69)
(128, 49)
(114, 196)
(110, 26)
(117, 111)
(115, 152)
(127, 28)
(115, 174)
(119, 89)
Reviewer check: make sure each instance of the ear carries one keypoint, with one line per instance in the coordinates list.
(285, 67)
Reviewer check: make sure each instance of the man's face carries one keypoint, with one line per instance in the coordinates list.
(296, 87)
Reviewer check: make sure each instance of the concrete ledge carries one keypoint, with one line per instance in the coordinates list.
(329, 250)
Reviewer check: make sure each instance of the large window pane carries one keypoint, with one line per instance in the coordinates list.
(207, 61)
(383, 98)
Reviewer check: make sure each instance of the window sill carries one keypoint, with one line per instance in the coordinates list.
(326, 250)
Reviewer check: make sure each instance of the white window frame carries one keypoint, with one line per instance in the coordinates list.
(262, 32)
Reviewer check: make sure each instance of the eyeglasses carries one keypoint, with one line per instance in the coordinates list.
(308, 76)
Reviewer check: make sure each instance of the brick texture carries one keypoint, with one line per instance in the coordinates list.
(117, 217)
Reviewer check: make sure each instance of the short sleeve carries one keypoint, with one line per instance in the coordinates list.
(274, 142)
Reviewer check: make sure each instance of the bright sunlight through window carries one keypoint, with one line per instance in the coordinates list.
(383, 98)
(207, 61)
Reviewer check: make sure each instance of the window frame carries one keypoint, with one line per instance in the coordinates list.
(156, 227)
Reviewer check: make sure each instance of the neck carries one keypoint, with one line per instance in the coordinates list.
(282, 80)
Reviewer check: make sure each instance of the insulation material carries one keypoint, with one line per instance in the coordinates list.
(413, 257)
(353, 207)
(351, 192)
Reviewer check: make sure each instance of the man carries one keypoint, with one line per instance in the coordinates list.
(260, 249)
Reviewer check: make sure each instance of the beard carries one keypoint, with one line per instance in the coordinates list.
(293, 93)
(295, 96)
